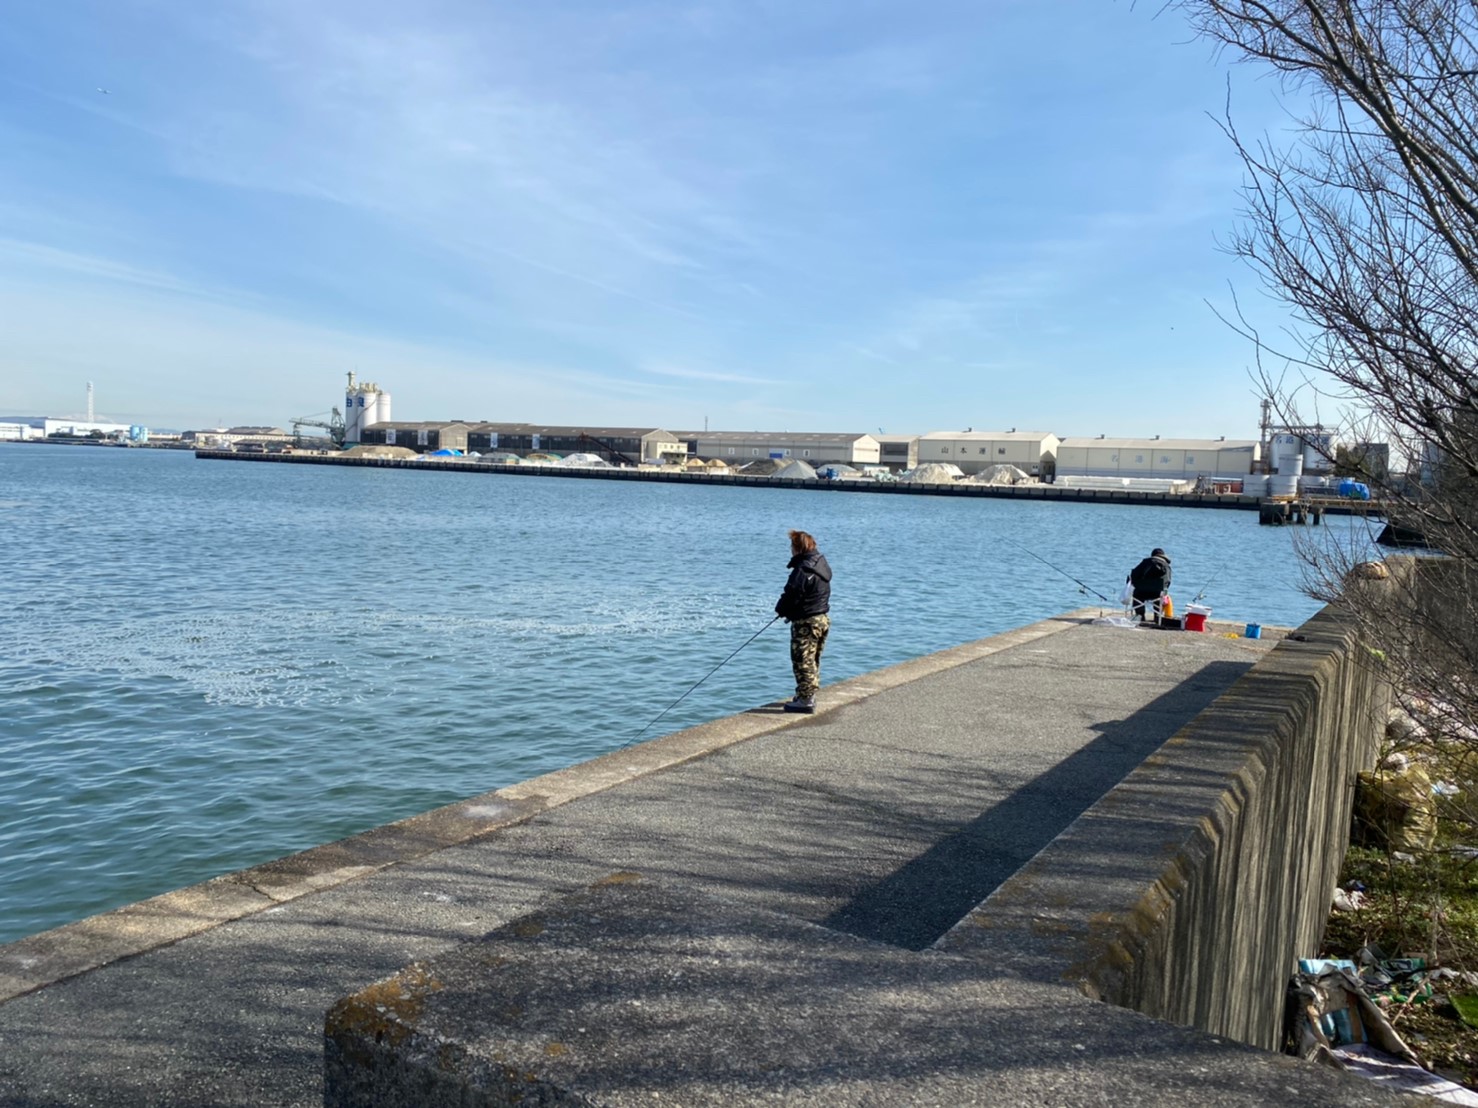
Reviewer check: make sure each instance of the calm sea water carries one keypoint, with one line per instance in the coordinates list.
(207, 665)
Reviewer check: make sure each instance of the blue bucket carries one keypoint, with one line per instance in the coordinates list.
(1254, 631)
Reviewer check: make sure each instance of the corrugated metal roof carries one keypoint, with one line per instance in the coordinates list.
(990, 436)
(769, 436)
(413, 425)
(599, 432)
(544, 429)
(1160, 444)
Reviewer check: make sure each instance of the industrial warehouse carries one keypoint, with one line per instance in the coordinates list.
(1284, 462)
(1008, 456)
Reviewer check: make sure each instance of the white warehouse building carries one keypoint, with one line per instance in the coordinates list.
(39, 427)
(974, 451)
(1167, 458)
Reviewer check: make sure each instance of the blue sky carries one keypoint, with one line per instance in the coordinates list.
(831, 216)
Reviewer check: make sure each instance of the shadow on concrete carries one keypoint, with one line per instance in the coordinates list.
(897, 857)
(917, 903)
(659, 995)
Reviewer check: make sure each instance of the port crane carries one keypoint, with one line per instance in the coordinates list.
(334, 425)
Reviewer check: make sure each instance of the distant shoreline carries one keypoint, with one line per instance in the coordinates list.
(169, 445)
(1226, 501)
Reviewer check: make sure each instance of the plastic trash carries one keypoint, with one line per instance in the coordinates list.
(1394, 807)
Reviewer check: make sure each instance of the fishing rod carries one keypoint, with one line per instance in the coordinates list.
(1065, 573)
(700, 681)
(1197, 598)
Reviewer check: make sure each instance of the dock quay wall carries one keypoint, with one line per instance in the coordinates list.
(1189, 890)
(1235, 502)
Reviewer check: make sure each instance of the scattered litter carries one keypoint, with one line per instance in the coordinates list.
(1116, 621)
(1403, 729)
(1317, 966)
(1365, 1060)
(1467, 1007)
(1394, 808)
(1331, 1019)
(1463, 977)
(1329, 1008)
(1348, 901)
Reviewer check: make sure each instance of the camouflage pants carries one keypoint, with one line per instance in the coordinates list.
(807, 638)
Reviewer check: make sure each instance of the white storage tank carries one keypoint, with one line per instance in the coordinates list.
(1319, 453)
(1286, 450)
(364, 406)
(1314, 449)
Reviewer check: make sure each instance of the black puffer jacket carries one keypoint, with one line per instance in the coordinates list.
(1151, 577)
(808, 592)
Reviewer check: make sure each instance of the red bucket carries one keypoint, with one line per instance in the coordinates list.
(1195, 621)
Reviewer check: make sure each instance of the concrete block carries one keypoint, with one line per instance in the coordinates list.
(632, 994)
(1191, 889)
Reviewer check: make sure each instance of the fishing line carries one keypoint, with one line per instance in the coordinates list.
(700, 681)
(1197, 598)
(1065, 573)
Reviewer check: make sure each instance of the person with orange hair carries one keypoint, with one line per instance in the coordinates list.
(805, 605)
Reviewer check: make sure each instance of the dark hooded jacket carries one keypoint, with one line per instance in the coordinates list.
(1151, 577)
(808, 592)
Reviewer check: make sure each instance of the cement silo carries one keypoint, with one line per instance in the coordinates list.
(1311, 447)
(364, 406)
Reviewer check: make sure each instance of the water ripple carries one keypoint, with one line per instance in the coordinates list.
(225, 663)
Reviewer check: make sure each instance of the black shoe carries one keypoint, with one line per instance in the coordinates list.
(805, 704)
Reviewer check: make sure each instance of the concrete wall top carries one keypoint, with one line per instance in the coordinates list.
(1189, 891)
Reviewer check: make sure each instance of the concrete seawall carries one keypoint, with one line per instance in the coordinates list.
(913, 897)
(1214, 861)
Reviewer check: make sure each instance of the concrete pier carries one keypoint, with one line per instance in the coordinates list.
(855, 857)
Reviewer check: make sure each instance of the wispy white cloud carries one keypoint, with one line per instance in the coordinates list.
(19, 256)
(168, 357)
(578, 210)
(435, 129)
(873, 355)
(689, 374)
